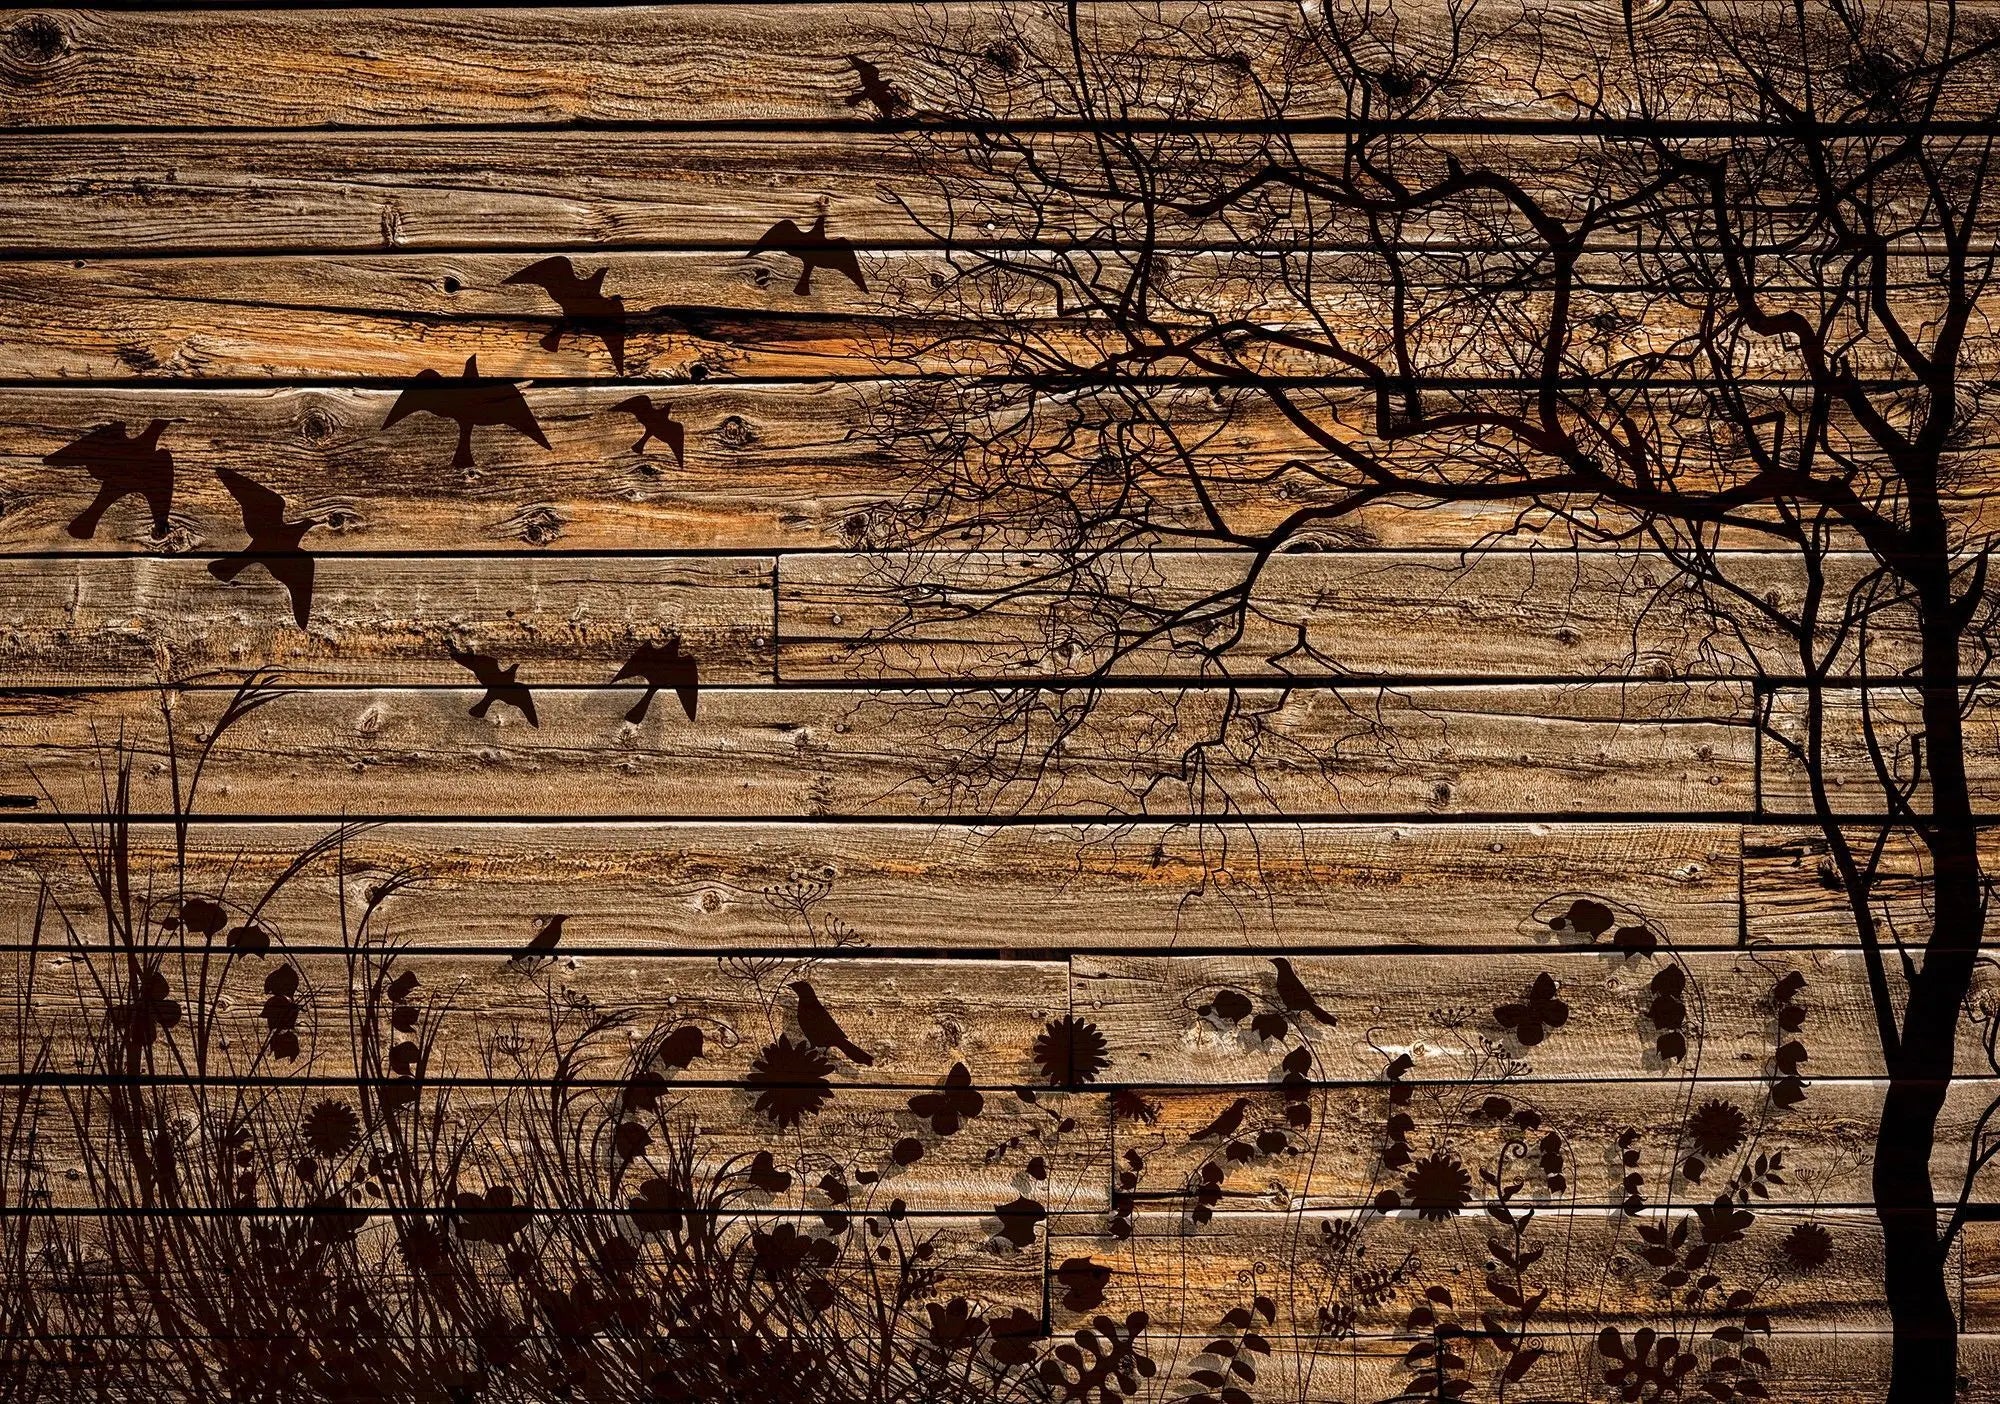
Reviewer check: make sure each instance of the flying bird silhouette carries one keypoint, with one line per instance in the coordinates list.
(659, 423)
(813, 249)
(124, 467)
(874, 88)
(1224, 1126)
(662, 666)
(819, 1027)
(543, 943)
(585, 307)
(468, 402)
(274, 542)
(498, 682)
(1294, 995)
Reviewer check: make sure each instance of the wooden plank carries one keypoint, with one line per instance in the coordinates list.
(1836, 1366)
(962, 1263)
(1334, 1167)
(1442, 1012)
(1826, 1143)
(865, 1136)
(1792, 893)
(595, 190)
(1828, 1363)
(430, 189)
(126, 620)
(1848, 764)
(238, 66)
(688, 315)
(1536, 752)
(1187, 1278)
(919, 1016)
(1494, 613)
(1024, 887)
(767, 467)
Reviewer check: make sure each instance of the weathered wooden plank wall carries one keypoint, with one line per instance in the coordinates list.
(258, 226)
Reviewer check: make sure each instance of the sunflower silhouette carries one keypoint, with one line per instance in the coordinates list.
(1718, 1127)
(791, 1078)
(1807, 1248)
(1437, 1186)
(1071, 1052)
(331, 1128)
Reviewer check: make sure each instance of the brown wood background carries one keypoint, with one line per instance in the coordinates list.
(257, 224)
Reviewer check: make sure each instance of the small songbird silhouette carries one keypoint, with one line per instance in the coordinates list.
(467, 402)
(874, 88)
(274, 542)
(543, 943)
(819, 1027)
(813, 249)
(1224, 1126)
(498, 682)
(124, 467)
(1294, 995)
(659, 423)
(584, 305)
(662, 666)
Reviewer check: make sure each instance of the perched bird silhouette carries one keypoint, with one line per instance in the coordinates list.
(543, 942)
(498, 682)
(274, 542)
(875, 88)
(1294, 995)
(819, 1027)
(468, 403)
(124, 467)
(662, 666)
(1224, 1126)
(813, 249)
(658, 422)
(584, 305)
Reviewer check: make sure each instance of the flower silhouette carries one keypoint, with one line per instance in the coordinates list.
(1538, 1012)
(1013, 1336)
(953, 1327)
(492, 1217)
(658, 1207)
(1071, 1052)
(331, 1128)
(1437, 1186)
(1650, 1369)
(1807, 1248)
(1718, 1127)
(792, 1081)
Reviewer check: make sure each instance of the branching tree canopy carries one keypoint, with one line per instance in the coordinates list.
(1695, 291)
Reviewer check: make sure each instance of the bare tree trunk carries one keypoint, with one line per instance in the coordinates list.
(1925, 1346)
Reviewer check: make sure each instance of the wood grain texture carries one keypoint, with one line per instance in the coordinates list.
(1247, 974)
(1442, 1013)
(918, 886)
(723, 312)
(1535, 752)
(695, 64)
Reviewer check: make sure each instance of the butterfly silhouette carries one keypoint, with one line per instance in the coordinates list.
(953, 1104)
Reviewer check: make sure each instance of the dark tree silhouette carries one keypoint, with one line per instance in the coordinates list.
(1706, 308)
